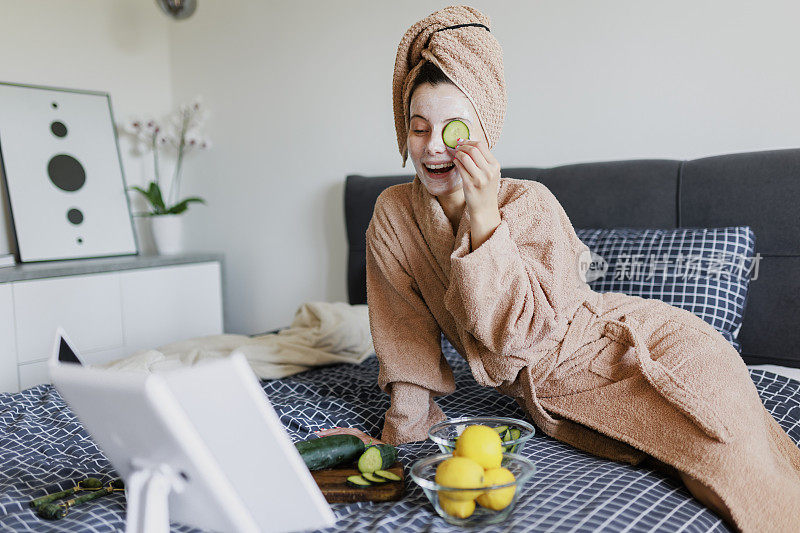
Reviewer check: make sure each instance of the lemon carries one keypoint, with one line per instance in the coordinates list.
(460, 473)
(497, 499)
(457, 508)
(482, 444)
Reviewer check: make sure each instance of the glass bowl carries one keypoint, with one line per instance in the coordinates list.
(423, 472)
(445, 433)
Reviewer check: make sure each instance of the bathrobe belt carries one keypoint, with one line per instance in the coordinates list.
(524, 388)
(574, 337)
(661, 378)
(538, 373)
(669, 386)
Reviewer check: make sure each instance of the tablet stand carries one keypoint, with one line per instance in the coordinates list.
(147, 491)
(188, 470)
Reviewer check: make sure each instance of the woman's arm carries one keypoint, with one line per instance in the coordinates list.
(481, 228)
(480, 177)
(515, 287)
(517, 271)
(406, 339)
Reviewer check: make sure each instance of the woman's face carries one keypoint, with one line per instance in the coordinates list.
(431, 108)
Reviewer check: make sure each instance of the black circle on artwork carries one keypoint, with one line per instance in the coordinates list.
(80, 240)
(58, 129)
(55, 105)
(75, 216)
(66, 172)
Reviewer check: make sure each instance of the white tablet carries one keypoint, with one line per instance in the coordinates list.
(200, 446)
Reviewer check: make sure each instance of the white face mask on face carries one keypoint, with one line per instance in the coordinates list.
(431, 108)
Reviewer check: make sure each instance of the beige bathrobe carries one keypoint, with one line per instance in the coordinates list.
(618, 376)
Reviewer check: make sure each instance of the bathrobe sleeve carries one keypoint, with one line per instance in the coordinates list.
(513, 291)
(412, 368)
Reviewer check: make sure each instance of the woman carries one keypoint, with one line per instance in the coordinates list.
(493, 263)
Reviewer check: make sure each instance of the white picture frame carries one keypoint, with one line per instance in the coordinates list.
(61, 164)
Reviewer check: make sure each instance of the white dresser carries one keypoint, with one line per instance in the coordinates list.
(109, 308)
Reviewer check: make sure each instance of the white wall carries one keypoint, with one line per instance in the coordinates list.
(119, 47)
(632, 79)
(300, 93)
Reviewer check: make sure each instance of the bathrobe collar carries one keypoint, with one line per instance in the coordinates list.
(436, 228)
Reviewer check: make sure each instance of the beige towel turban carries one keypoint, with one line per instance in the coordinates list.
(458, 41)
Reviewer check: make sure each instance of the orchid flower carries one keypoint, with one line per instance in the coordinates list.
(182, 131)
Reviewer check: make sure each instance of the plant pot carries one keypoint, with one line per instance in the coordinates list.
(167, 233)
(144, 234)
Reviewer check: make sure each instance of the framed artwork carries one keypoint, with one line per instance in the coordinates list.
(60, 161)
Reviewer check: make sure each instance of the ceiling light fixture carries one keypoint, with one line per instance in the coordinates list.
(178, 9)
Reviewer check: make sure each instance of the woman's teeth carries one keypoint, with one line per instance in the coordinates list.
(439, 169)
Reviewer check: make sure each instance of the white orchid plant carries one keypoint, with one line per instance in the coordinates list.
(181, 131)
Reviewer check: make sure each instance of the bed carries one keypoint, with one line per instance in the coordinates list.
(42, 446)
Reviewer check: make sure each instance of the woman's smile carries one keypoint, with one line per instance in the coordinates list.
(431, 108)
(439, 170)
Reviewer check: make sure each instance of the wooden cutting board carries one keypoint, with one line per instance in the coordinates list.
(333, 483)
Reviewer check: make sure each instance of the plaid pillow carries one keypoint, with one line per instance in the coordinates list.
(703, 270)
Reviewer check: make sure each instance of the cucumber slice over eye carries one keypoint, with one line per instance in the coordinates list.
(453, 131)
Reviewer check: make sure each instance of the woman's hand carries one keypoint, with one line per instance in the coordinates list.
(480, 176)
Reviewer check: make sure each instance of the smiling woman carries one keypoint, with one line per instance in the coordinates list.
(436, 103)
(494, 265)
(432, 107)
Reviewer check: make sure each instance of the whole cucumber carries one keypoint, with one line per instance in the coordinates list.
(326, 452)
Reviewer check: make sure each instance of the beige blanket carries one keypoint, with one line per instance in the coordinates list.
(321, 333)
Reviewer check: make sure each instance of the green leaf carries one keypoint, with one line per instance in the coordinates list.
(183, 205)
(154, 195)
(154, 198)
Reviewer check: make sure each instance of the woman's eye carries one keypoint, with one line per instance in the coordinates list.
(419, 131)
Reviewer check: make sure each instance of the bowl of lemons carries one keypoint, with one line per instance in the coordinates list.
(513, 432)
(478, 483)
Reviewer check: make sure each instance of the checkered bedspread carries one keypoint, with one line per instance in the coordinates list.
(43, 448)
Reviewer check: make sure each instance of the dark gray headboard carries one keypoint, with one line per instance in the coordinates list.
(757, 189)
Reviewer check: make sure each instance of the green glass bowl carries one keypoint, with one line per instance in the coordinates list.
(445, 433)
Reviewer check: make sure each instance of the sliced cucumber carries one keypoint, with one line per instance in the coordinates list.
(358, 481)
(391, 476)
(506, 437)
(325, 452)
(377, 457)
(500, 429)
(373, 478)
(453, 131)
(515, 433)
